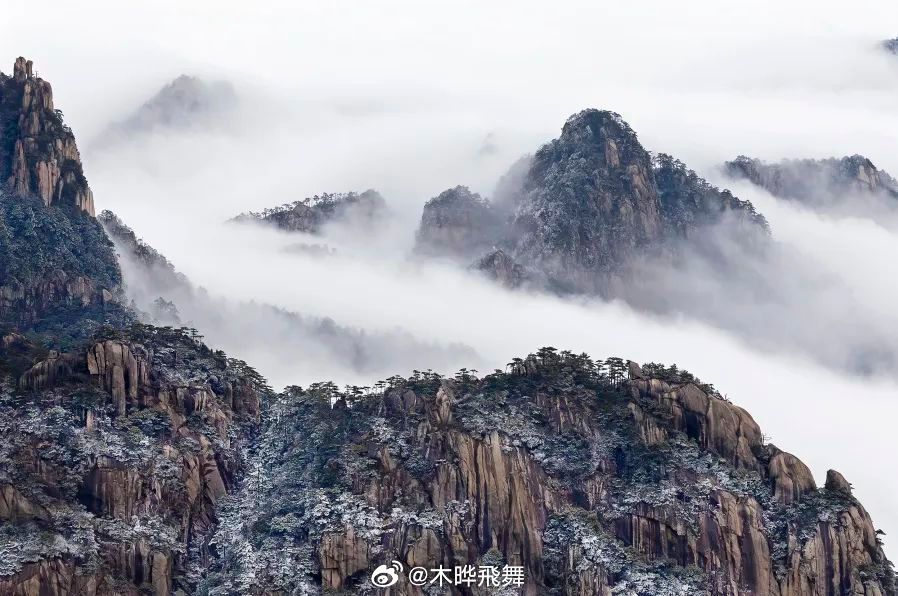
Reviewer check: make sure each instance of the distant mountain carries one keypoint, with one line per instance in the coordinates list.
(310, 215)
(186, 103)
(583, 206)
(816, 181)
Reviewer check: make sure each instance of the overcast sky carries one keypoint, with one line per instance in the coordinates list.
(403, 97)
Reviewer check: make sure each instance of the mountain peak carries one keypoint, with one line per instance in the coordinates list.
(38, 154)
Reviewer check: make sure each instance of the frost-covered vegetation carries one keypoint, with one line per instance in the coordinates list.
(310, 214)
(79, 478)
(322, 450)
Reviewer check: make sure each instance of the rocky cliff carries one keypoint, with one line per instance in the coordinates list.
(585, 205)
(310, 215)
(114, 458)
(594, 481)
(816, 181)
(54, 256)
(38, 155)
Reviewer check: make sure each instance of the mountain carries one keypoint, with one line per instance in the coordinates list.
(38, 155)
(590, 477)
(186, 103)
(588, 203)
(54, 256)
(138, 460)
(458, 223)
(311, 214)
(816, 181)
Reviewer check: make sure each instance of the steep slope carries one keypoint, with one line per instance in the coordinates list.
(593, 483)
(816, 181)
(458, 223)
(54, 257)
(38, 155)
(114, 457)
(587, 204)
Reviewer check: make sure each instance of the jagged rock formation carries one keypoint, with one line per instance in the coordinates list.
(595, 484)
(311, 214)
(38, 155)
(589, 202)
(112, 466)
(458, 223)
(816, 181)
(54, 256)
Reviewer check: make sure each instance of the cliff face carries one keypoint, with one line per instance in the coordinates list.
(311, 214)
(586, 205)
(38, 154)
(816, 182)
(592, 482)
(54, 256)
(114, 459)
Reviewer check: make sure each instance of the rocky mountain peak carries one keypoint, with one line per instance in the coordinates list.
(458, 222)
(38, 154)
(816, 181)
(582, 208)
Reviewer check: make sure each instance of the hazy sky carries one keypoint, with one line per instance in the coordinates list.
(400, 96)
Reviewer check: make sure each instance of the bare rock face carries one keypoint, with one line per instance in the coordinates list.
(39, 155)
(837, 483)
(816, 181)
(590, 482)
(114, 489)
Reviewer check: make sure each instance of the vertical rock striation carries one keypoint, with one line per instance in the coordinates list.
(39, 155)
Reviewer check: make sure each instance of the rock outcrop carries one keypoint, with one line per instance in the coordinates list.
(39, 155)
(111, 472)
(458, 223)
(312, 214)
(583, 207)
(816, 181)
(589, 482)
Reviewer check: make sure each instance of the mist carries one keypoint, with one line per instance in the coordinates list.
(404, 97)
